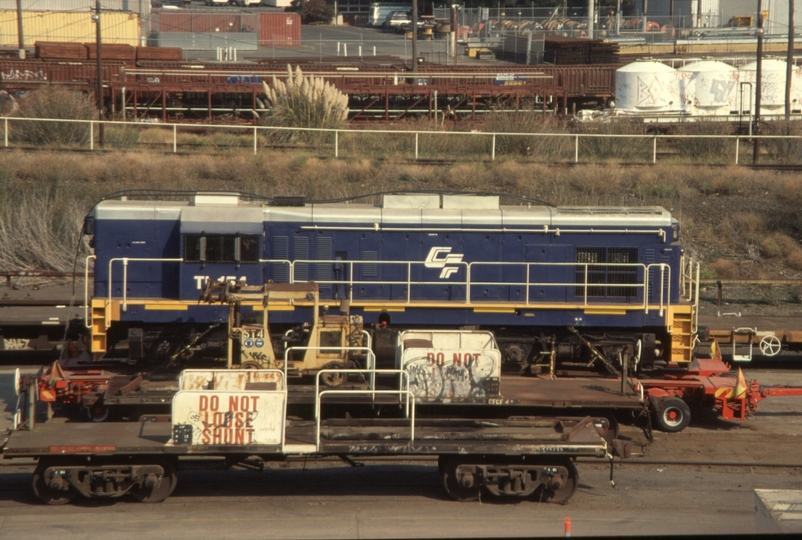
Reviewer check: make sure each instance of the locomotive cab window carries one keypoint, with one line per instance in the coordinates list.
(607, 271)
(221, 248)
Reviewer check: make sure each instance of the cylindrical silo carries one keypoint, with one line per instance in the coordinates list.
(772, 99)
(708, 88)
(646, 86)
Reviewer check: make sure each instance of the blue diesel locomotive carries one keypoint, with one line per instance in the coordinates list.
(571, 285)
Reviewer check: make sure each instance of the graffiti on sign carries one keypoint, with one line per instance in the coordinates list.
(450, 375)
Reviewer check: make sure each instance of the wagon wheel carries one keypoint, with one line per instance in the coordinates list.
(160, 489)
(333, 380)
(462, 486)
(561, 488)
(97, 412)
(770, 345)
(46, 492)
(672, 415)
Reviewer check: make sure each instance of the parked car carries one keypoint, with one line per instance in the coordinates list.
(407, 26)
(396, 18)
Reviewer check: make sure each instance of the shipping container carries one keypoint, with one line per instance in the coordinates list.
(203, 21)
(279, 29)
(73, 27)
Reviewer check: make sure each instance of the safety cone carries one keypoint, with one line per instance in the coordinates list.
(739, 392)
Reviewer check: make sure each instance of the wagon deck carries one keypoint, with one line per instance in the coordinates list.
(352, 437)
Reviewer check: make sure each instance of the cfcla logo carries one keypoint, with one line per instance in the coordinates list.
(439, 257)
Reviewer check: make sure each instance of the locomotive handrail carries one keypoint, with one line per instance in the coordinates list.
(125, 261)
(403, 383)
(407, 393)
(350, 282)
(87, 321)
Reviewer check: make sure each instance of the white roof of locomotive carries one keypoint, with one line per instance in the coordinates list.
(399, 210)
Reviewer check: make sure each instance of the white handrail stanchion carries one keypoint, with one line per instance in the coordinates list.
(91, 135)
(175, 138)
(87, 321)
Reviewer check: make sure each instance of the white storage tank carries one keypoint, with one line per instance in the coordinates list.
(772, 99)
(708, 88)
(647, 86)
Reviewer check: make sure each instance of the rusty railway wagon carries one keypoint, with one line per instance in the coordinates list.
(176, 91)
(240, 417)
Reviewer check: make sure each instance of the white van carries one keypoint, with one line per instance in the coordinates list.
(379, 11)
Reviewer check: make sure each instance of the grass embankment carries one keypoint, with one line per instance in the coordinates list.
(738, 222)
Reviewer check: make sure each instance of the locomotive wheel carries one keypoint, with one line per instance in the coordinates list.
(333, 380)
(45, 492)
(672, 415)
(160, 491)
(560, 489)
(463, 488)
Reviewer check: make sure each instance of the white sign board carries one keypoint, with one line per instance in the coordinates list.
(228, 418)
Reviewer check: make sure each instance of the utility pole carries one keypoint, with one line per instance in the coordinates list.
(591, 16)
(98, 41)
(699, 14)
(414, 35)
(758, 81)
(789, 60)
(19, 31)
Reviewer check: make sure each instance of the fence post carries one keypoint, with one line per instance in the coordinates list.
(654, 149)
(493, 154)
(5, 133)
(91, 135)
(576, 150)
(336, 143)
(416, 146)
(737, 148)
(254, 141)
(175, 138)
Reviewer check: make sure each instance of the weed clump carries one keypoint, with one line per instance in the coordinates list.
(304, 102)
(56, 102)
(525, 121)
(708, 145)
